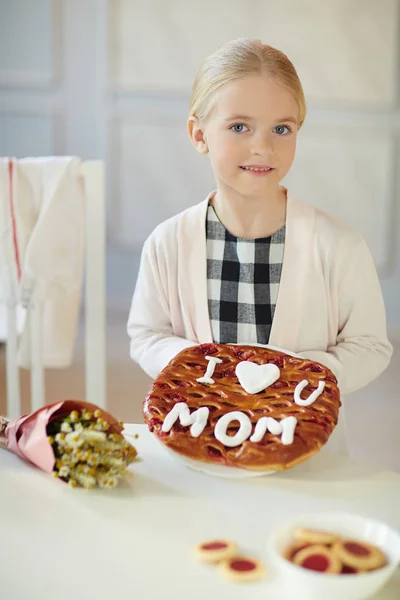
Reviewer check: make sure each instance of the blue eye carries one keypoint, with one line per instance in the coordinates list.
(239, 128)
(280, 129)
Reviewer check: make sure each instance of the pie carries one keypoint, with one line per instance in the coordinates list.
(248, 407)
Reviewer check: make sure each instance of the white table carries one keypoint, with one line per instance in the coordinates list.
(135, 541)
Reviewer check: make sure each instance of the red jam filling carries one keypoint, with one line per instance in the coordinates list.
(214, 546)
(214, 453)
(175, 396)
(313, 369)
(229, 373)
(279, 384)
(182, 383)
(242, 354)
(346, 570)
(279, 362)
(242, 565)
(316, 562)
(206, 349)
(154, 423)
(356, 549)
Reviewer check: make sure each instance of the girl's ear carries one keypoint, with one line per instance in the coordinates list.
(196, 134)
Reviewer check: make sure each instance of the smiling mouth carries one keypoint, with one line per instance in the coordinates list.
(257, 169)
(254, 170)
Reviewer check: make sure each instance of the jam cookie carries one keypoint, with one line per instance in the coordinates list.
(312, 536)
(359, 555)
(346, 570)
(293, 549)
(318, 558)
(214, 551)
(242, 569)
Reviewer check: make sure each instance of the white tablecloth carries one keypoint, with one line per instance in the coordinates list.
(135, 541)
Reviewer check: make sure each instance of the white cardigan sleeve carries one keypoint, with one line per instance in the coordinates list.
(362, 350)
(153, 343)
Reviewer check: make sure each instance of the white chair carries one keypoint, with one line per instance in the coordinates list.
(95, 310)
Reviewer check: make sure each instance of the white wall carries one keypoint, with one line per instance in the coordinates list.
(112, 79)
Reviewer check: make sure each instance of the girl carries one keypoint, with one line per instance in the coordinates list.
(251, 264)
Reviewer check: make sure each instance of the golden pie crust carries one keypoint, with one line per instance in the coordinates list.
(177, 383)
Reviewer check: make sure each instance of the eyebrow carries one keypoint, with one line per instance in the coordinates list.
(245, 118)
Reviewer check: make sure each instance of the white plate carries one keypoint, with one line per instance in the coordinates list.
(210, 468)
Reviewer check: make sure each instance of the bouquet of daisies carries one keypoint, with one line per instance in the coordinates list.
(77, 442)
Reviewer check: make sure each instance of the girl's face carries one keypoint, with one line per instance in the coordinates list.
(250, 135)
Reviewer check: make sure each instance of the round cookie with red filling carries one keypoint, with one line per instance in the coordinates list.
(184, 383)
(313, 536)
(293, 549)
(240, 569)
(359, 555)
(214, 551)
(318, 558)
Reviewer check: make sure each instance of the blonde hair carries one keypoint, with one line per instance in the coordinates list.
(240, 58)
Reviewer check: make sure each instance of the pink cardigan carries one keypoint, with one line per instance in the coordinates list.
(330, 307)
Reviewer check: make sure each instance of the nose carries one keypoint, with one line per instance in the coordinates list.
(262, 145)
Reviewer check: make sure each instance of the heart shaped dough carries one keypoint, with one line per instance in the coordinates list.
(253, 378)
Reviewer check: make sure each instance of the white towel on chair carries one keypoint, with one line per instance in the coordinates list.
(43, 247)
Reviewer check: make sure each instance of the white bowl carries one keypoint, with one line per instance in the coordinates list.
(303, 583)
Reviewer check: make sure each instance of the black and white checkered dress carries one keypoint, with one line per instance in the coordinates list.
(243, 279)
